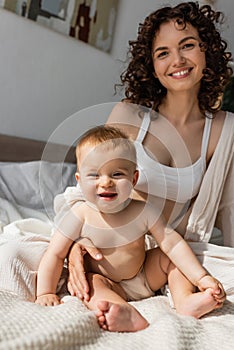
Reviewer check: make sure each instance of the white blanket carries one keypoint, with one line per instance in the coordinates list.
(69, 326)
(25, 325)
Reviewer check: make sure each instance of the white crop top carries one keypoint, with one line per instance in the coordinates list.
(176, 184)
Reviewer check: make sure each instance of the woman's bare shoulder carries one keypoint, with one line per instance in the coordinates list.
(126, 117)
(123, 112)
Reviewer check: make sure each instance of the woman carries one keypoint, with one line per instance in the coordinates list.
(174, 83)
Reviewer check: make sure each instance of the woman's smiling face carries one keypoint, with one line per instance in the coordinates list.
(177, 57)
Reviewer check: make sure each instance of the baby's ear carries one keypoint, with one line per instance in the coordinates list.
(135, 177)
(77, 176)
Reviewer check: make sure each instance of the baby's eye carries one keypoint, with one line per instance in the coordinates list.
(117, 174)
(93, 175)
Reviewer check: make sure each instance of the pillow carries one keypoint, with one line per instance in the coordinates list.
(35, 184)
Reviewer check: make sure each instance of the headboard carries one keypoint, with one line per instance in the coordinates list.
(19, 149)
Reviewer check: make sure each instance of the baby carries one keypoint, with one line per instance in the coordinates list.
(117, 224)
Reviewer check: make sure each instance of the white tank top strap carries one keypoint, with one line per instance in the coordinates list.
(144, 127)
(206, 137)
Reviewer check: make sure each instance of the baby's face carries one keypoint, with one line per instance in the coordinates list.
(106, 176)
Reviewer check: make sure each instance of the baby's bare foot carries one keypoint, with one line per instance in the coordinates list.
(120, 317)
(198, 304)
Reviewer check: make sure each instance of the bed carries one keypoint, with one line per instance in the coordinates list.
(29, 180)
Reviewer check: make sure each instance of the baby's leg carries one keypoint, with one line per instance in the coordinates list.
(186, 300)
(159, 269)
(156, 268)
(113, 312)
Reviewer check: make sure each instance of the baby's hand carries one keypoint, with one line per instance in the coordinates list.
(48, 300)
(208, 281)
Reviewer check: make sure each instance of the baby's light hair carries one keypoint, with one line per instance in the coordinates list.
(110, 136)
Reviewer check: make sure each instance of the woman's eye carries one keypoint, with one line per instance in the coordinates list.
(188, 46)
(162, 54)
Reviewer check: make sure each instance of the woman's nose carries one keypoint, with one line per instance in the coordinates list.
(178, 58)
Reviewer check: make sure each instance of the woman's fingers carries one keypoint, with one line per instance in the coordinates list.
(76, 289)
(87, 246)
(77, 283)
(94, 253)
(70, 289)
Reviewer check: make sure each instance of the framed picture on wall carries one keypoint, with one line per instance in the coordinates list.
(91, 21)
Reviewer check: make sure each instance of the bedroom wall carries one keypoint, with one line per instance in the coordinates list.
(47, 77)
(227, 7)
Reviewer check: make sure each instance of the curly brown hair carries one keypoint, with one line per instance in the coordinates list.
(141, 86)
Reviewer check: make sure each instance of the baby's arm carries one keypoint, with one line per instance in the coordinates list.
(180, 253)
(51, 265)
(50, 269)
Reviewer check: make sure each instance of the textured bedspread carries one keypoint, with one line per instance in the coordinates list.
(25, 325)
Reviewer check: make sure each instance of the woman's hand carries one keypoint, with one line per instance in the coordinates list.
(77, 282)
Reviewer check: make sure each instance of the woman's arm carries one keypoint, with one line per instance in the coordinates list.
(225, 215)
